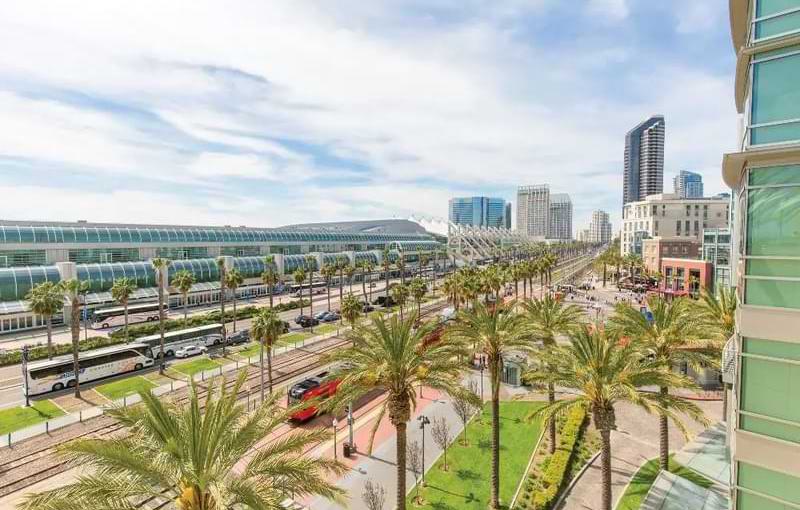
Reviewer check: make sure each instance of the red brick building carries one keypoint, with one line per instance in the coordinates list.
(685, 276)
(657, 248)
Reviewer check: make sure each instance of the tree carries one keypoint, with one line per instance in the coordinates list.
(373, 495)
(270, 276)
(351, 309)
(349, 272)
(328, 271)
(418, 289)
(670, 340)
(386, 262)
(341, 262)
(400, 294)
(601, 371)
(451, 287)
(465, 408)
(121, 291)
(161, 267)
(47, 299)
(401, 266)
(494, 332)
(440, 430)
(72, 291)
(369, 267)
(311, 263)
(718, 318)
(187, 455)
(183, 281)
(233, 280)
(548, 318)
(391, 355)
(300, 278)
(414, 454)
(267, 327)
(223, 282)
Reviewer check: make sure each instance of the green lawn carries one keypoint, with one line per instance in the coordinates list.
(646, 476)
(124, 387)
(466, 483)
(16, 418)
(194, 366)
(290, 338)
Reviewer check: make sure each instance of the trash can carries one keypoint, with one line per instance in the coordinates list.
(347, 450)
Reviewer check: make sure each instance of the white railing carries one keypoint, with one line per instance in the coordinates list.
(729, 353)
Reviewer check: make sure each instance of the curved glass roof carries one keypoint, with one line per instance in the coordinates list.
(42, 234)
(15, 282)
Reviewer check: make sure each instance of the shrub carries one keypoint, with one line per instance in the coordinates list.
(555, 466)
(40, 351)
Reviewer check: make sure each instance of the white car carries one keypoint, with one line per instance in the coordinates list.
(190, 350)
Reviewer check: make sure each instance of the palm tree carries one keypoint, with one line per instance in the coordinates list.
(601, 371)
(270, 276)
(387, 266)
(300, 278)
(267, 327)
(223, 281)
(72, 291)
(424, 260)
(183, 281)
(401, 266)
(161, 267)
(121, 291)
(311, 263)
(327, 272)
(233, 280)
(391, 355)
(349, 272)
(418, 289)
(363, 267)
(400, 294)
(451, 289)
(718, 316)
(188, 455)
(47, 299)
(351, 309)
(493, 332)
(547, 319)
(369, 267)
(670, 340)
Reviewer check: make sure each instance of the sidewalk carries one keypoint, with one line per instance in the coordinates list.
(633, 443)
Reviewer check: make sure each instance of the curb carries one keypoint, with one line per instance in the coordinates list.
(574, 481)
(527, 469)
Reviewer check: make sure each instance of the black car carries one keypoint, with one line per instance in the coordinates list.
(384, 301)
(300, 318)
(240, 337)
(331, 317)
(308, 322)
(367, 308)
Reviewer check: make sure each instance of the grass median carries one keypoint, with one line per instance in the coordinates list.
(466, 483)
(190, 368)
(124, 387)
(646, 477)
(17, 418)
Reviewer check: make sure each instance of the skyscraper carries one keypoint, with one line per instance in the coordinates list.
(533, 210)
(508, 215)
(688, 184)
(560, 223)
(478, 211)
(644, 160)
(599, 228)
(761, 362)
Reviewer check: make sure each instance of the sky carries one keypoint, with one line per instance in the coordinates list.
(266, 113)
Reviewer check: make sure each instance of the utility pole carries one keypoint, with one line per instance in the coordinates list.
(25, 357)
(423, 420)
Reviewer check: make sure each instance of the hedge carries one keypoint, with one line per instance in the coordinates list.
(117, 337)
(556, 465)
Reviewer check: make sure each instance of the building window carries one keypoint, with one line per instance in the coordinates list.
(678, 226)
(774, 19)
(775, 104)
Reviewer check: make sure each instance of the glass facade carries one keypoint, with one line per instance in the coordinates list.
(241, 251)
(98, 255)
(776, 18)
(17, 258)
(101, 276)
(182, 253)
(16, 282)
(775, 100)
(757, 482)
(478, 211)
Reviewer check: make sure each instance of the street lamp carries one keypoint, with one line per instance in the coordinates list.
(423, 420)
(335, 424)
(25, 357)
(350, 420)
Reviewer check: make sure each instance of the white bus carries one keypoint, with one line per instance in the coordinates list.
(57, 373)
(173, 340)
(106, 317)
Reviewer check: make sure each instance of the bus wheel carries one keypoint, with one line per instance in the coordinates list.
(170, 353)
(105, 324)
(217, 341)
(58, 386)
(138, 366)
(71, 383)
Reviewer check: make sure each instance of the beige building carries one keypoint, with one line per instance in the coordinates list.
(656, 249)
(665, 215)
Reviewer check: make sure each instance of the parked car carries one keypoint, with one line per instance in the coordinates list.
(373, 285)
(190, 350)
(301, 318)
(308, 322)
(367, 308)
(384, 301)
(240, 337)
(321, 315)
(331, 317)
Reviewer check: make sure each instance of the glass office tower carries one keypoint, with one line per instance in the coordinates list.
(765, 173)
(478, 212)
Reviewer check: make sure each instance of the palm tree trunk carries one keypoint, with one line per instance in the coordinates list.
(126, 322)
(185, 309)
(400, 446)
(604, 275)
(222, 318)
(161, 324)
(329, 296)
(234, 310)
(495, 491)
(605, 462)
(663, 431)
(341, 281)
(310, 299)
(49, 337)
(269, 366)
(364, 284)
(75, 329)
(261, 366)
(725, 402)
(271, 289)
(551, 398)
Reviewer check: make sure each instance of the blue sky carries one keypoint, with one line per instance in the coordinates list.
(264, 113)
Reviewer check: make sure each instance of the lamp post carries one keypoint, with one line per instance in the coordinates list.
(423, 420)
(25, 356)
(351, 436)
(335, 424)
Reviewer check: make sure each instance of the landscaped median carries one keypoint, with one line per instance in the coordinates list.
(194, 366)
(466, 484)
(124, 387)
(15, 418)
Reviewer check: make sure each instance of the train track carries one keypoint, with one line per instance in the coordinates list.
(31, 462)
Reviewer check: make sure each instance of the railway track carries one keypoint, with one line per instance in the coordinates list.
(31, 461)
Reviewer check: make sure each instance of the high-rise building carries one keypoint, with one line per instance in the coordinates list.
(583, 235)
(688, 184)
(479, 212)
(533, 210)
(599, 228)
(508, 215)
(762, 360)
(560, 223)
(644, 160)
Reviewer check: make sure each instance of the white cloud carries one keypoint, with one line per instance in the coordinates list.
(611, 9)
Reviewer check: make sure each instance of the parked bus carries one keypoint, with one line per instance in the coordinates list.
(105, 317)
(315, 387)
(57, 373)
(173, 340)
